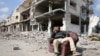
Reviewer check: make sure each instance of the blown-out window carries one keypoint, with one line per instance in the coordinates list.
(74, 20)
(83, 13)
(16, 17)
(73, 5)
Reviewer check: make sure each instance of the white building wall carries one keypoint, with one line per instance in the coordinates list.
(76, 11)
(70, 27)
(92, 23)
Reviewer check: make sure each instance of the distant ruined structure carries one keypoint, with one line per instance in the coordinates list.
(43, 15)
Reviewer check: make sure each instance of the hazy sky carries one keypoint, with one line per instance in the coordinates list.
(7, 7)
(96, 7)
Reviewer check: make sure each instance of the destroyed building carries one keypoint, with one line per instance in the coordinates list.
(2, 26)
(43, 15)
(71, 15)
(19, 19)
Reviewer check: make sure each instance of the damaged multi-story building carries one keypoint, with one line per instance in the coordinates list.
(2, 26)
(43, 15)
(71, 15)
(19, 19)
(24, 10)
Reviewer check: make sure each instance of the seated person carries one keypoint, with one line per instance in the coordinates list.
(60, 37)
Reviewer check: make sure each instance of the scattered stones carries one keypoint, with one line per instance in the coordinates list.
(7, 35)
(94, 37)
(16, 48)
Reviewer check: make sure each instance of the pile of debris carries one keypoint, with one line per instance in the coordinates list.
(37, 42)
(24, 35)
(94, 37)
(33, 37)
(88, 48)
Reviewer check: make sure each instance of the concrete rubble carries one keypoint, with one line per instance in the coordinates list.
(35, 37)
(88, 48)
(34, 43)
(94, 37)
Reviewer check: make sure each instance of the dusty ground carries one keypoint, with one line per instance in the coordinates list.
(26, 49)
(29, 45)
(88, 48)
(35, 44)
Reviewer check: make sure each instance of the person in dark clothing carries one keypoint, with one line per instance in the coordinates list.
(60, 37)
(58, 34)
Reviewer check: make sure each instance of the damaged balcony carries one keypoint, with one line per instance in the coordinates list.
(54, 14)
(52, 1)
(48, 9)
(27, 3)
(42, 9)
(45, 3)
(25, 20)
(25, 15)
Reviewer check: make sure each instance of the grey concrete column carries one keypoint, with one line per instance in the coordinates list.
(49, 26)
(26, 28)
(32, 10)
(63, 28)
(8, 29)
(66, 19)
(85, 29)
(32, 27)
(21, 27)
(38, 26)
(49, 22)
(11, 28)
(18, 28)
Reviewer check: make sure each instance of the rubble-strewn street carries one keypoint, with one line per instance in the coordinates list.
(29, 44)
(35, 44)
(25, 24)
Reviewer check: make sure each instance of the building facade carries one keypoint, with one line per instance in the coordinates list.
(43, 15)
(18, 20)
(71, 15)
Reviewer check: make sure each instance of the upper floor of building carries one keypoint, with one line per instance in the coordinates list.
(43, 7)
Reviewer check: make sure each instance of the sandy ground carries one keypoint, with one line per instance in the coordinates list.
(88, 48)
(26, 49)
(37, 45)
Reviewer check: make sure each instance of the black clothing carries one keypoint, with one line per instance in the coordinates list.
(60, 34)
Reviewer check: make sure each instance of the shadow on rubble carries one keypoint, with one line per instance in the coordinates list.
(80, 50)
